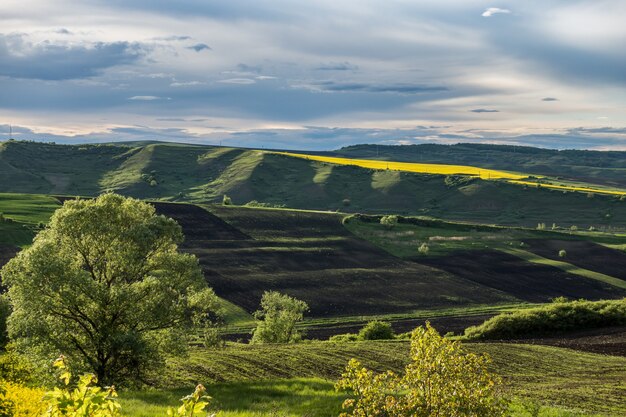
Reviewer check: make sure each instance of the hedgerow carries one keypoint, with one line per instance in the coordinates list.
(560, 316)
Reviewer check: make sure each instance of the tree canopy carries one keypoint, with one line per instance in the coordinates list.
(278, 316)
(105, 285)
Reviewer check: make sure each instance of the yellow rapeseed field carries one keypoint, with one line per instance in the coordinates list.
(413, 167)
(444, 169)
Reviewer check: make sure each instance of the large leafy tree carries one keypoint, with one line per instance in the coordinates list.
(105, 285)
(441, 380)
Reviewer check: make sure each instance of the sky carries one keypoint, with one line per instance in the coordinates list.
(315, 74)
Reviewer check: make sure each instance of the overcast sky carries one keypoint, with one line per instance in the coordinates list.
(315, 74)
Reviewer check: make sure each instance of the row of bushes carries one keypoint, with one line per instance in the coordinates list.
(560, 316)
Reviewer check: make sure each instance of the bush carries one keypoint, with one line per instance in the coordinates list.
(562, 253)
(423, 249)
(441, 380)
(347, 337)
(376, 330)
(226, 200)
(389, 221)
(560, 316)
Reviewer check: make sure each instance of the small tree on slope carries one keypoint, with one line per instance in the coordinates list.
(105, 285)
(278, 316)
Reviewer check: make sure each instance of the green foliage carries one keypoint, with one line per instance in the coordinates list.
(423, 249)
(196, 402)
(562, 253)
(86, 399)
(556, 317)
(376, 330)
(227, 201)
(7, 406)
(105, 285)
(278, 316)
(16, 368)
(441, 380)
(347, 337)
(389, 221)
(458, 180)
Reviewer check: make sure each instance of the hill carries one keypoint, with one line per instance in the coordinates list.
(599, 167)
(203, 174)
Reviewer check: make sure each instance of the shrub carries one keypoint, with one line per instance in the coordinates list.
(562, 253)
(347, 337)
(376, 330)
(556, 317)
(423, 249)
(441, 380)
(389, 221)
(227, 201)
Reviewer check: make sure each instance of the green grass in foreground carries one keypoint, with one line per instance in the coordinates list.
(296, 380)
(554, 376)
(311, 397)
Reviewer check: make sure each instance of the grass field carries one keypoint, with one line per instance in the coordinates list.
(26, 211)
(294, 379)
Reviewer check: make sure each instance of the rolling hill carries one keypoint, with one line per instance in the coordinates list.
(203, 174)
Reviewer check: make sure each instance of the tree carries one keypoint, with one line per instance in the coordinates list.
(423, 249)
(440, 380)
(278, 316)
(389, 221)
(105, 285)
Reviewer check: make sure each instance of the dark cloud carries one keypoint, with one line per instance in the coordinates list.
(377, 88)
(19, 58)
(342, 66)
(485, 111)
(549, 99)
(173, 38)
(200, 47)
(245, 68)
(63, 31)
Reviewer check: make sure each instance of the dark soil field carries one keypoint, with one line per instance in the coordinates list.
(6, 253)
(608, 341)
(524, 280)
(311, 256)
(585, 254)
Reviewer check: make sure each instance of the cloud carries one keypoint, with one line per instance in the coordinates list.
(492, 11)
(247, 69)
(241, 81)
(186, 83)
(21, 58)
(144, 98)
(265, 77)
(549, 99)
(341, 66)
(332, 86)
(485, 111)
(199, 47)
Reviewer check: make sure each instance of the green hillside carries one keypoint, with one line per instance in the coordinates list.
(177, 172)
(588, 166)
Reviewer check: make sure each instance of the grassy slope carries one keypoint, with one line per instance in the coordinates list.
(204, 174)
(598, 167)
(552, 375)
(26, 211)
